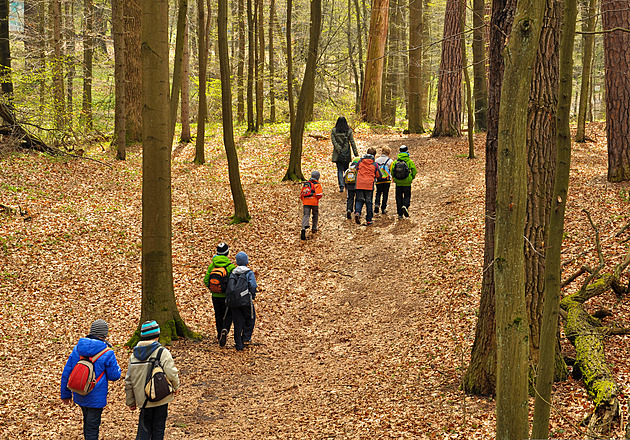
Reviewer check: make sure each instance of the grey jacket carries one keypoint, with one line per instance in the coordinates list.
(343, 142)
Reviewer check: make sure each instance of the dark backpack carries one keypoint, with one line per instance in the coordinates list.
(157, 385)
(81, 379)
(237, 292)
(217, 281)
(400, 170)
(308, 189)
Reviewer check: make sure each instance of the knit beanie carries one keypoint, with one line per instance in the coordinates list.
(99, 329)
(403, 149)
(242, 259)
(149, 330)
(223, 249)
(315, 175)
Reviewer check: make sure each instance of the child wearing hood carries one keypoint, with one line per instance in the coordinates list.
(367, 173)
(244, 317)
(403, 173)
(152, 420)
(310, 204)
(222, 315)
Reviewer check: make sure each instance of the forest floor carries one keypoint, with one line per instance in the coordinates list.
(361, 332)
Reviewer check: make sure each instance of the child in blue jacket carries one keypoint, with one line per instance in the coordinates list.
(244, 318)
(106, 367)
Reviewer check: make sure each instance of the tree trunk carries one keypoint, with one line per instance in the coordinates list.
(158, 297)
(202, 33)
(480, 377)
(185, 109)
(588, 40)
(616, 14)
(469, 104)
(59, 100)
(415, 87)
(553, 242)
(272, 64)
(240, 68)
(70, 36)
(371, 96)
(449, 101)
(425, 69)
(360, 34)
(307, 91)
(251, 40)
(480, 91)
(392, 70)
(5, 53)
(241, 213)
(509, 274)
(182, 17)
(290, 65)
(120, 113)
(88, 60)
(32, 38)
(541, 160)
(260, 66)
(133, 71)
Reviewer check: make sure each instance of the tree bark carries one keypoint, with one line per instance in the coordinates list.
(70, 37)
(554, 236)
(290, 64)
(415, 85)
(360, 33)
(59, 101)
(616, 14)
(133, 71)
(449, 100)
(272, 64)
(182, 16)
(480, 91)
(307, 91)
(260, 65)
(5, 53)
(158, 297)
(88, 59)
(588, 40)
(251, 121)
(202, 34)
(185, 108)
(371, 96)
(240, 67)
(120, 112)
(509, 274)
(241, 213)
(469, 104)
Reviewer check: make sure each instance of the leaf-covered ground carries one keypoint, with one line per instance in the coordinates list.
(362, 331)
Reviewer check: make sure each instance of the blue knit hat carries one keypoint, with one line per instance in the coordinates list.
(149, 330)
(242, 259)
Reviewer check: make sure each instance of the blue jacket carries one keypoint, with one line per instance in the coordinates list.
(251, 279)
(97, 398)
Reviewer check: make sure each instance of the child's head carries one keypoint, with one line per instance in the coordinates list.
(315, 175)
(403, 149)
(242, 259)
(385, 150)
(371, 151)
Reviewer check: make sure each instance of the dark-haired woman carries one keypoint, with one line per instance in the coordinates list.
(342, 141)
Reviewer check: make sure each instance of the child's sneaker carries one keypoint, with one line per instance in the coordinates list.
(303, 234)
(383, 211)
(405, 211)
(348, 215)
(357, 219)
(223, 338)
(369, 223)
(376, 210)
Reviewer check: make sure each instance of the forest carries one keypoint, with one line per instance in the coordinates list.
(137, 136)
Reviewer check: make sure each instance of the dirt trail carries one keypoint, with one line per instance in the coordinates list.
(357, 347)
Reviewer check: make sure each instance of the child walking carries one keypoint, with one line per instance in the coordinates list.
(403, 172)
(311, 193)
(242, 289)
(350, 179)
(367, 173)
(222, 315)
(383, 183)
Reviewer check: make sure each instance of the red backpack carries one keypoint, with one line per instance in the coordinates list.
(81, 379)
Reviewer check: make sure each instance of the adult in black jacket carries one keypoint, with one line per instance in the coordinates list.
(343, 142)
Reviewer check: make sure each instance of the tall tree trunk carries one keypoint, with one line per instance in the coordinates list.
(392, 70)
(260, 66)
(70, 36)
(480, 91)
(425, 69)
(469, 104)
(202, 34)
(120, 112)
(290, 64)
(88, 59)
(480, 377)
(240, 67)
(449, 101)
(241, 213)
(272, 64)
(553, 243)
(307, 93)
(360, 33)
(414, 107)
(509, 266)
(541, 159)
(40, 71)
(5, 53)
(371, 96)
(59, 100)
(185, 109)
(251, 40)
(32, 38)
(353, 64)
(133, 71)
(158, 296)
(182, 17)
(588, 40)
(616, 14)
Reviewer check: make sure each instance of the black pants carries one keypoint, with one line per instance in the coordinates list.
(403, 198)
(382, 189)
(91, 422)
(219, 313)
(351, 197)
(152, 423)
(244, 320)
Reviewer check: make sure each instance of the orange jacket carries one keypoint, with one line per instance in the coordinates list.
(314, 199)
(367, 172)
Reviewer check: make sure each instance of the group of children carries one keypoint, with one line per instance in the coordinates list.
(359, 179)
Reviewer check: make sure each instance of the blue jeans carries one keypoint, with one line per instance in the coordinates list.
(91, 422)
(152, 423)
(364, 197)
(341, 168)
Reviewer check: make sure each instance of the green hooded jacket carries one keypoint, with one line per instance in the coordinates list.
(219, 261)
(412, 170)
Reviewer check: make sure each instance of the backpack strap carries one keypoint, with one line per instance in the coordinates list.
(159, 355)
(94, 358)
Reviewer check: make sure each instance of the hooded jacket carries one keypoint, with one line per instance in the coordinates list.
(251, 279)
(88, 347)
(342, 142)
(219, 261)
(412, 170)
(139, 368)
(367, 172)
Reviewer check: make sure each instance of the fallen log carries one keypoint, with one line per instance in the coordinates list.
(12, 128)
